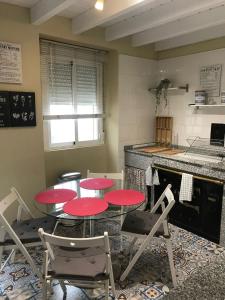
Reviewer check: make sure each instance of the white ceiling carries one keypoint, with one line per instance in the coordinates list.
(166, 23)
(25, 3)
(77, 8)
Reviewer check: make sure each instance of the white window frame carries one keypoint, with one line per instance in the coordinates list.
(49, 146)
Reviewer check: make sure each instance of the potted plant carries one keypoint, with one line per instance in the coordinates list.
(162, 90)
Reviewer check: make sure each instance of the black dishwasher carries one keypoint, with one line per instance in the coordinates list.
(203, 214)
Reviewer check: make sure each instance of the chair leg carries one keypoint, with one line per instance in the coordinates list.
(55, 227)
(171, 262)
(63, 287)
(13, 255)
(8, 258)
(131, 248)
(1, 254)
(107, 290)
(111, 278)
(133, 261)
(45, 289)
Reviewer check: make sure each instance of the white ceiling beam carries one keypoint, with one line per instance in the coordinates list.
(206, 19)
(43, 10)
(160, 13)
(191, 38)
(112, 10)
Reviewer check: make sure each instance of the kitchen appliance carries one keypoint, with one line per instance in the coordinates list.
(202, 215)
(217, 134)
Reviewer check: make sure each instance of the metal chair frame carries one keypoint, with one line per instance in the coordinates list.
(50, 241)
(115, 176)
(147, 239)
(5, 227)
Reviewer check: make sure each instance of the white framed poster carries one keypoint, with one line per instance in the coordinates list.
(10, 63)
(210, 79)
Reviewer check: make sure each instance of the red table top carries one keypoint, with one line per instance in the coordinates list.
(55, 196)
(96, 183)
(124, 197)
(86, 206)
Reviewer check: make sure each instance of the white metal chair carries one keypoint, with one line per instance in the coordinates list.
(20, 234)
(116, 176)
(146, 225)
(83, 262)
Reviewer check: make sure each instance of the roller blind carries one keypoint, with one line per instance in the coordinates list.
(70, 77)
(72, 86)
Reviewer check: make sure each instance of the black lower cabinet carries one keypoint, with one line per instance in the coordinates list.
(203, 214)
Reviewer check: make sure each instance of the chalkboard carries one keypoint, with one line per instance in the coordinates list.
(17, 109)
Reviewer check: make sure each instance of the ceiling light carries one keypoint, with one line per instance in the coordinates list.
(99, 5)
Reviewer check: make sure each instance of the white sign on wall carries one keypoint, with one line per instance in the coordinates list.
(210, 79)
(10, 63)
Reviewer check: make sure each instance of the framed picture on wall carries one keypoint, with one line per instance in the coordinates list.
(210, 79)
(10, 63)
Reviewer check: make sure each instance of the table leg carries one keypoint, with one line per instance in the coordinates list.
(84, 229)
(121, 223)
(91, 227)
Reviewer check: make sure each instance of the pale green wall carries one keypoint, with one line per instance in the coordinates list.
(112, 111)
(23, 161)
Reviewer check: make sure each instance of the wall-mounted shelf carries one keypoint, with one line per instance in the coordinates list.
(174, 90)
(206, 105)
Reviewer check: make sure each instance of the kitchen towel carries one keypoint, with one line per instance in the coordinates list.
(186, 187)
(148, 176)
(155, 180)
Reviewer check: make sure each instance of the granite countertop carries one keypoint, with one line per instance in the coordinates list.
(206, 284)
(210, 169)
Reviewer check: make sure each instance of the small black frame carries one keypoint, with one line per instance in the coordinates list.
(17, 109)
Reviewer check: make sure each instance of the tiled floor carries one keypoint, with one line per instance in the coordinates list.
(150, 278)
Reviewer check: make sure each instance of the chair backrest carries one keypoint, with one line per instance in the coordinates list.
(50, 240)
(116, 176)
(5, 226)
(167, 193)
(166, 207)
(12, 198)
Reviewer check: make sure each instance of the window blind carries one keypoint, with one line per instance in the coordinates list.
(70, 77)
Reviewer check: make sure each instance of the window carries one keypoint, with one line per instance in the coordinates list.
(72, 88)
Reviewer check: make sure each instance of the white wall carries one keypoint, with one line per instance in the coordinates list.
(186, 69)
(136, 104)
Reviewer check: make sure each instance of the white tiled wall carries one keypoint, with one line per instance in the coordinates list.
(136, 106)
(186, 69)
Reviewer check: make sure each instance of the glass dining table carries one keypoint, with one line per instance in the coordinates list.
(110, 213)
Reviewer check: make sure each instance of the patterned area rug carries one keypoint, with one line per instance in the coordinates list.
(149, 279)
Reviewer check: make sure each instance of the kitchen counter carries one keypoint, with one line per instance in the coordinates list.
(198, 167)
(140, 161)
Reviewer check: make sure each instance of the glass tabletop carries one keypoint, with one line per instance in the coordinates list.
(113, 211)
